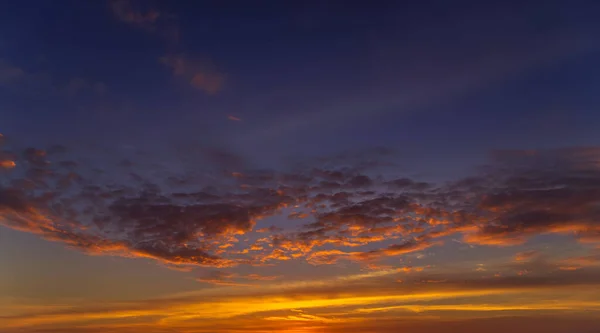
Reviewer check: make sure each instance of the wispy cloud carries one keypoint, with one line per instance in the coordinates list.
(200, 74)
(346, 301)
(219, 278)
(10, 73)
(222, 278)
(526, 256)
(131, 11)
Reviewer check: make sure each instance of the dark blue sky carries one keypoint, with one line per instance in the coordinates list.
(307, 76)
(432, 79)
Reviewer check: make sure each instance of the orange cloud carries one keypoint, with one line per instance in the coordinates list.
(575, 263)
(230, 279)
(589, 237)
(392, 250)
(6, 164)
(525, 256)
(179, 222)
(328, 256)
(276, 254)
(258, 277)
(345, 301)
(483, 239)
(333, 256)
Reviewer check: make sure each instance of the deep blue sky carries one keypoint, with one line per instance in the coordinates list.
(307, 76)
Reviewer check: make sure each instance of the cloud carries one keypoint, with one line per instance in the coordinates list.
(22, 213)
(575, 263)
(526, 256)
(257, 277)
(177, 228)
(145, 16)
(130, 11)
(543, 192)
(9, 73)
(7, 164)
(344, 300)
(219, 278)
(333, 256)
(300, 316)
(200, 74)
(6, 155)
(185, 218)
(232, 279)
(164, 219)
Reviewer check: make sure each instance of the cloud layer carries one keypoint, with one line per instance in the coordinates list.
(209, 208)
(326, 215)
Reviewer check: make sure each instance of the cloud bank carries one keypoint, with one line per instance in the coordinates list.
(326, 215)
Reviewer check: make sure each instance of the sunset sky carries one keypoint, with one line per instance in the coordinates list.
(299, 166)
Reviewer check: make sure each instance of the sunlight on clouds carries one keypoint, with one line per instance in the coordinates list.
(364, 248)
(7, 164)
(282, 308)
(209, 308)
(588, 306)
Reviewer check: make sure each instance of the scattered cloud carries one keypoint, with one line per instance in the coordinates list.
(146, 16)
(526, 256)
(575, 263)
(199, 73)
(348, 214)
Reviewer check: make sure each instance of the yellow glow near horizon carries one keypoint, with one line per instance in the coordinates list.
(169, 313)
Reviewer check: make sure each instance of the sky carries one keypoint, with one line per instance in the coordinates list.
(299, 166)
